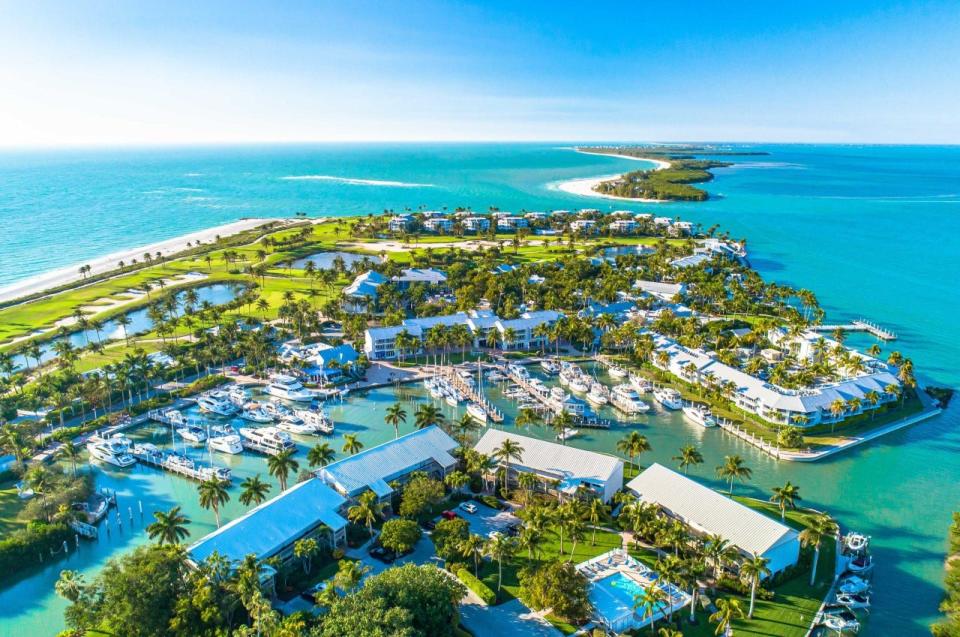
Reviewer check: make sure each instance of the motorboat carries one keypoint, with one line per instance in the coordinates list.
(700, 414)
(452, 398)
(641, 384)
(567, 433)
(477, 412)
(178, 462)
(221, 474)
(111, 450)
(853, 585)
(842, 621)
(224, 439)
(669, 398)
(269, 439)
(276, 410)
(237, 395)
(519, 371)
(217, 404)
(625, 398)
(318, 419)
(549, 367)
(856, 542)
(597, 395)
(288, 388)
(616, 371)
(853, 600)
(436, 391)
(579, 384)
(557, 393)
(860, 563)
(296, 425)
(173, 417)
(193, 433)
(496, 376)
(255, 413)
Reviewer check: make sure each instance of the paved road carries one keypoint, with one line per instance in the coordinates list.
(510, 618)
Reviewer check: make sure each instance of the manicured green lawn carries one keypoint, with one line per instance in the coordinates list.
(10, 507)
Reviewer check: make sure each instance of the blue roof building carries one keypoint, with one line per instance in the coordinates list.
(426, 450)
(307, 509)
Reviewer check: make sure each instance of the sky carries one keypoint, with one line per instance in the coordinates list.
(126, 72)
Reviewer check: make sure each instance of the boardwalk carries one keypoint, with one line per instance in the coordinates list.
(556, 406)
(472, 393)
(860, 325)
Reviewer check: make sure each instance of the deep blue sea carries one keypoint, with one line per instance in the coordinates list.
(873, 230)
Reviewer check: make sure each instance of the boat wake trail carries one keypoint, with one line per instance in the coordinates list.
(356, 182)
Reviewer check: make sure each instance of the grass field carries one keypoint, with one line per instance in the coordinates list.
(10, 507)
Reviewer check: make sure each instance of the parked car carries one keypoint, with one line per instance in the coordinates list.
(429, 525)
(384, 555)
(311, 593)
(469, 507)
(448, 515)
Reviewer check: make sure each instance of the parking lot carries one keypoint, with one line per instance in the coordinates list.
(487, 520)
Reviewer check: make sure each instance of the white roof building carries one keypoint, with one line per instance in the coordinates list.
(707, 512)
(664, 291)
(601, 473)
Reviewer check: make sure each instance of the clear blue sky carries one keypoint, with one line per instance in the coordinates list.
(128, 72)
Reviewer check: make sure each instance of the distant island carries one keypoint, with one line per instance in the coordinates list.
(677, 168)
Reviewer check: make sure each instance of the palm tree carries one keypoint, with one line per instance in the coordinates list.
(472, 545)
(350, 444)
(282, 465)
(786, 497)
(213, 494)
(560, 423)
(320, 455)
(689, 456)
(596, 511)
(396, 414)
(170, 526)
(632, 445)
(254, 491)
(500, 547)
(304, 550)
(428, 414)
(727, 610)
(366, 510)
(734, 468)
(507, 451)
(754, 569)
(818, 528)
(649, 602)
(70, 452)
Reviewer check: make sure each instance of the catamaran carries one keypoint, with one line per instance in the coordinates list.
(288, 388)
(625, 398)
(115, 451)
(669, 398)
(700, 415)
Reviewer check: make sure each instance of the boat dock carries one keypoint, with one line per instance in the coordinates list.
(250, 445)
(555, 406)
(472, 394)
(165, 461)
(860, 325)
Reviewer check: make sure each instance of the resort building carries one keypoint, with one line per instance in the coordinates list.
(476, 224)
(583, 225)
(706, 512)
(522, 332)
(624, 226)
(618, 310)
(438, 224)
(425, 276)
(511, 223)
(400, 223)
(663, 291)
(643, 217)
(663, 222)
(690, 261)
(309, 509)
(561, 470)
(802, 407)
(535, 216)
(559, 213)
(426, 450)
(320, 362)
(361, 295)
(681, 228)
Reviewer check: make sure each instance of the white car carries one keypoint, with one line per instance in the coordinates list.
(469, 507)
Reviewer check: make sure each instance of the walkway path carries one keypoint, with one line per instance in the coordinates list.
(509, 618)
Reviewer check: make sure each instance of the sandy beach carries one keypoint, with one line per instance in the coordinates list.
(585, 187)
(61, 276)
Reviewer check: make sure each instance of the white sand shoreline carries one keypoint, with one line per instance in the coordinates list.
(585, 187)
(61, 276)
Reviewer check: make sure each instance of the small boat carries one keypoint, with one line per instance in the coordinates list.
(496, 376)
(567, 433)
(436, 392)
(580, 384)
(237, 395)
(269, 438)
(217, 403)
(669, 398)
(853, 600)
(549, 367)
(700, 415)
(288, 388)
(317, 419)
(477, 412)
(111, 450)
(221, 474)
(597, 395)
(860, 563)
(256, 414)
(641, 384)
(224, 439)
(452, 398)
(276, 410)
(625, 398)
(843, 621)
(193, 433)
(616, 371)
(296, 426)
(853, 585)
(557, 393)
(856, 542)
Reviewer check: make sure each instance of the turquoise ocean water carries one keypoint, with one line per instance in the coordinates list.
(872, 230)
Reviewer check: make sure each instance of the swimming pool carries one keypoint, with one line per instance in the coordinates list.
(613, 598)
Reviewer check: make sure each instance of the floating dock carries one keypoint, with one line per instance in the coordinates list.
(555, 406)
(165, 461)
(860, 325)
(473, 394)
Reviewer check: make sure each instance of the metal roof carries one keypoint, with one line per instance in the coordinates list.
(710, 512)
(265, 530)
(373, 467)
(551, 458)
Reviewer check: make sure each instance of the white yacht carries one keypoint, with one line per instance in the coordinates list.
(276, 410)
(669, 398)
(255, 413)
(288, 388)
(223, 474)
(625, 398)
(224, 439)
(295, 425)
(549, 367)
(477, 412)
(193, 433)
(270, 439)
(557, 394)
(317, 419)
(216, 403)
(700, 415)
(567, 433)
(238, 395)
(453, 398)
(597, 395)
(641, 384)
(579, 384)
(115, 451)
(616, 371)
(495, 376)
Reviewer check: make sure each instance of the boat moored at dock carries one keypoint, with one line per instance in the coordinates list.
(669, 398)
(268, 440)
(699, 414)
(625, 398)
(288, 388)
(114, 450)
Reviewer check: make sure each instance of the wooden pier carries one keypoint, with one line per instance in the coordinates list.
(555, 406)
(472, 393)
(859, 325)
(163, 460)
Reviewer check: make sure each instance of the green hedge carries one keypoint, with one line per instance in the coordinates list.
(201, 384)
(29, 546)
(482, 590)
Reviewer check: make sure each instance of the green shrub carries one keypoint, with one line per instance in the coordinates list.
(26, 547)
(482, 590)
(740, 587)
(491, 502)
(790, 437)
